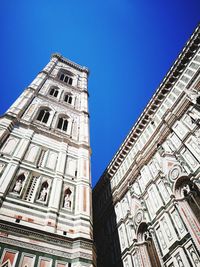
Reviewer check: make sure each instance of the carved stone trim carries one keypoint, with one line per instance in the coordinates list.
(70, 63)
(175, 173)
(54, 239)
(45, 249)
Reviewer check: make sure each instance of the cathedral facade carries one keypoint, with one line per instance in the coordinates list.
(146, 205)
(45, 182)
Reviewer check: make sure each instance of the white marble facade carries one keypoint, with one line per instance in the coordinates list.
(154, 179)
(45, 182)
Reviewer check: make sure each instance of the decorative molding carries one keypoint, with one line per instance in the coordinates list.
(51, 251)
(188, 51)
(70, 63)
(40, 235)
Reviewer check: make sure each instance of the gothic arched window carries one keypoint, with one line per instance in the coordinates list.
(53, 92)
(68, 98)
(66, 79)
(66, 76)
(62, 124)
(43, 115)
(62, 76)
(147, 245)
(192, 196)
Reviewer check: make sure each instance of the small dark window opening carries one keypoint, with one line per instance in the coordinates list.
(64, 233)
(43, 115)
(68, 99)
(65, 125)
(46, 116)
(62, 124)
(40, 115)
(54, 92)
(198, 100)
(17, 220)
(62, 77)
(65, 78)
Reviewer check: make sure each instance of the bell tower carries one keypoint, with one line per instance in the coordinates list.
(45, 183)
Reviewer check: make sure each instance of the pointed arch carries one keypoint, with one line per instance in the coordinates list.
(67, 203)
(147, 246)
(19, 183)
(177, 186)
(43, 191)
(63, 123)
(68, 97)
(43, 115)
(187, 195)
(66, 76)
(68, 191)
(54, 91)
(187, 190)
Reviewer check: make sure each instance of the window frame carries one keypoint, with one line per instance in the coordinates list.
(55, 90)
(46, 110)
(64, 126)
(66, 77)
(69, 97)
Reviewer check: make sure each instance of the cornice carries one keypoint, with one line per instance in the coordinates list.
(164, 88)
(70, 63)
(53, 238)
(133, 172)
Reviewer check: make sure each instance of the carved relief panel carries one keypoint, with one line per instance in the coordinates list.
(41, 156)
(10, 145)
(32, 154)
(71, 166)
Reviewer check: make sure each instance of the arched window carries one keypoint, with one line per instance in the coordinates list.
(53, 92)
(68, 98)
(192, 195)
(66, 79)
(66, 76)
(147, 243)
(62, 76)
(43, 115)
(62, 124)
(187, 193)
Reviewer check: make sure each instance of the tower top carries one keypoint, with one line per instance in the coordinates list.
(70, 63)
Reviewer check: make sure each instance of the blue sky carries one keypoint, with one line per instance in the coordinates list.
(128, 45)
